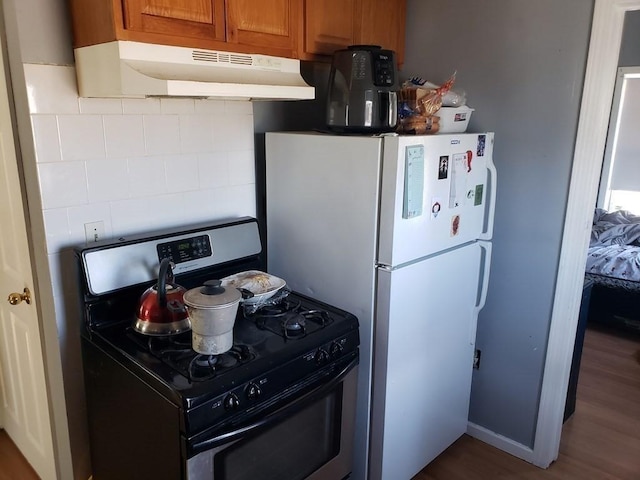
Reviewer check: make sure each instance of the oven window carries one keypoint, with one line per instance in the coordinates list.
(291, 450)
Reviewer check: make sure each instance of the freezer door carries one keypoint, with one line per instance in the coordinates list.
(424, 342)
(438, 191)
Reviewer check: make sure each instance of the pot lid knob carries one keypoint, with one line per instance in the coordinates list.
(212, 287)
(212, 295)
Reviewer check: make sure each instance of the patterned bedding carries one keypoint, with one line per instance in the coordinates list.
(614, 250)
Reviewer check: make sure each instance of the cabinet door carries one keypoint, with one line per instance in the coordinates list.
(178, 18)
(383, 23)
(330, 25)
(268, 25)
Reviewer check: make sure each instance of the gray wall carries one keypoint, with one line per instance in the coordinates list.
(522, 65)
(42, 32)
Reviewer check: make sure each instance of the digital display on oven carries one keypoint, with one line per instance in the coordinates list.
(187, 249)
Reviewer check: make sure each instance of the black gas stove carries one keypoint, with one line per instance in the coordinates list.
(287, 353)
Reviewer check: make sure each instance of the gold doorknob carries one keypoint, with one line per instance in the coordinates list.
(16, 298)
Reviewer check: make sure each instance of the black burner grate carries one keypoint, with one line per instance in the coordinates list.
(176, 351)
(290, 319)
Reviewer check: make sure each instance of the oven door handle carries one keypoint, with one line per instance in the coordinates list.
(274, 417)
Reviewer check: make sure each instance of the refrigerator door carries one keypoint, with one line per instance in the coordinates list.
(438, 191)
(426, 317)
(322, 224)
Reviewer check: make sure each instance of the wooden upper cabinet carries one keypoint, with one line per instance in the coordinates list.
(181, 18)
(269, 27)
(330, 25)
(308, 29)
(383, 23)
(267, 24)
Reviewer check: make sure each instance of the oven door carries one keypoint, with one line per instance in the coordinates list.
(309, 438)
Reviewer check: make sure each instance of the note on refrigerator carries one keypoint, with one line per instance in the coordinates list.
(458, 185)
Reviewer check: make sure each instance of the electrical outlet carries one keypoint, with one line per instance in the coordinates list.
(94, 231)
(476, 359)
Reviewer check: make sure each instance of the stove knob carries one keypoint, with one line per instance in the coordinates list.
(231, 402)
(321, 356)
(253, 391)
(336, 349)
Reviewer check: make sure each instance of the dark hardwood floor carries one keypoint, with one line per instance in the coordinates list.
(601, 441)
(13, 466)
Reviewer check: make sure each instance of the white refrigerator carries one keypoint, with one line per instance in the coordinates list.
(394, 229)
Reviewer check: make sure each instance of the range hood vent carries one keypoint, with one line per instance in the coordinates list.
(125, 69)
(221, 57)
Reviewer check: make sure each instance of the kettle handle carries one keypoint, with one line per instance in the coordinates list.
(163, 276)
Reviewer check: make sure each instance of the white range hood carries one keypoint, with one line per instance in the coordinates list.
(136, 70)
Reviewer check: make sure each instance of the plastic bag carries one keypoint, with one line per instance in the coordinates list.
(419, 103)
(251, 308)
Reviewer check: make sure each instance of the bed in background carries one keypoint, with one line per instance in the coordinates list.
(613, 265)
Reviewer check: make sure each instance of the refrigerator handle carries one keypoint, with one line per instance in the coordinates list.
(487, 233)
(484, 287)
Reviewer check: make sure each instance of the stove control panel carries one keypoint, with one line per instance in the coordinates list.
(184, 250)
(126, 262)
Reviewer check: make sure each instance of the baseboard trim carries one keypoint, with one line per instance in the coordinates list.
(503, 443)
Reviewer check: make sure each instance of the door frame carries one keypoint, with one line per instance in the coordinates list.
(12, 72)
(597, 96)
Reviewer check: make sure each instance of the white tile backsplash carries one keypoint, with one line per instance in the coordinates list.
(202, 205)
(45, 134)
(182, 173)
(101, 105)
(108, 180)
(141, 214)
(143, 106)
(210, 106)
(161, 134)
(81, 137)
(241, 167)
(146, 177)
(238, 108)
(235, 200)
(233, 132)
(214, 170)
(177, 105)
(62, 184)
(136, 164)
(56, 224)
(124, 135)
(196, 133)
(51, 89)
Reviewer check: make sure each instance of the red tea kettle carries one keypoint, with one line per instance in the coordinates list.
(161, 310)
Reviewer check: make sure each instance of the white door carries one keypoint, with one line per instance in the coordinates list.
(23, 404)
(423, 359)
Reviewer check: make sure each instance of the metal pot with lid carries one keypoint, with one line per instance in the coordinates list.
(161, 310)
(212, 310)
